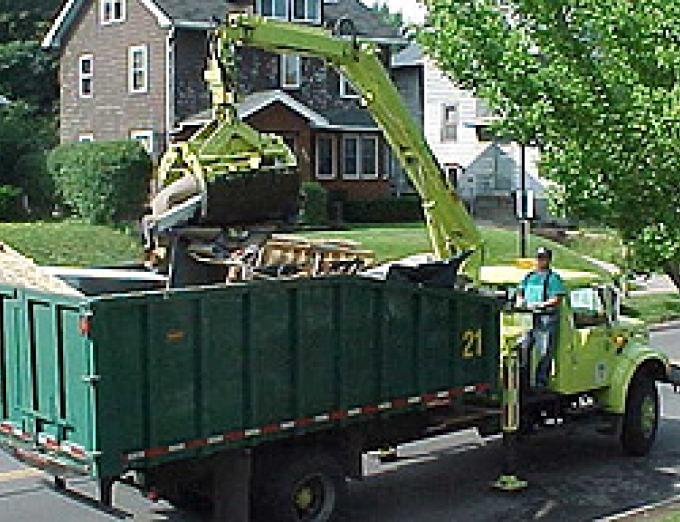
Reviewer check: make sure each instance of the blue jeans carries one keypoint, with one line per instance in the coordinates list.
(542, 339)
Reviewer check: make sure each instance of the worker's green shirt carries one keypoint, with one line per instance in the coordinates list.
(537, 290)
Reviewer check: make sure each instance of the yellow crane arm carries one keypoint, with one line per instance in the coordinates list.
(450, 227)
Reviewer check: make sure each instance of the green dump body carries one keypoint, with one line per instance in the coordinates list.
(106, 384)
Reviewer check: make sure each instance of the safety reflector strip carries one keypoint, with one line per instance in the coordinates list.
(434, 399)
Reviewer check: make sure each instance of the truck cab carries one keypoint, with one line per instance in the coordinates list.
(600, 360)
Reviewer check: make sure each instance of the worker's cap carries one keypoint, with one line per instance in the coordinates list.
(544, 252)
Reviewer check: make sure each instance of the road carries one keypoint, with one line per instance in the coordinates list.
(573, 477)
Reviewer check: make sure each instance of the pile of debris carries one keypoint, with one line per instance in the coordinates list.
(18, 270)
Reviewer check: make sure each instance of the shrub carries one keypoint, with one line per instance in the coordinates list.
(394, 210)
(102, 182)
(315, 204)
(10, 203)
(22, 131)
(32, 175)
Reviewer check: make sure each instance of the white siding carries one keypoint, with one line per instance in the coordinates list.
(467, 150)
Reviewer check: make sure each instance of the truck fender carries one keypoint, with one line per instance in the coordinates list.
(613, 398)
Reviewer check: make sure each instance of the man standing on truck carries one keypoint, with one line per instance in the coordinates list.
(542, 290)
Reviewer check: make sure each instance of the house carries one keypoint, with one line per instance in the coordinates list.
(134, 69)
(483, 170)
(4, 101)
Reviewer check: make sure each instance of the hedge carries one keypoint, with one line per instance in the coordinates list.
(37, 183)
(10, 203)
(394, 210)
(102, 182)
(315, 210)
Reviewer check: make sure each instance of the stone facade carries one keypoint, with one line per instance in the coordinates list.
(176, 63)
(112, 112)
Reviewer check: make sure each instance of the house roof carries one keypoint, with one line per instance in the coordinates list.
(411, 56)
(4, 101)
(368, 23)
(195, 11)
(200, 14)
(357, 120)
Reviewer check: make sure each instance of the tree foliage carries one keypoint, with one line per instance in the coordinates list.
(23, 20)
(394, 19)
(595, 84)
(23, 130)
(28, 73)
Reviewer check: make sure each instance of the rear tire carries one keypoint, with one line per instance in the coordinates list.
(302, 486)
(641, 419)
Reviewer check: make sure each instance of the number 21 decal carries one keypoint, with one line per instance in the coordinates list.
(472, 344)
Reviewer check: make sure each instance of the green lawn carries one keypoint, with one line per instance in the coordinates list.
(78, 244)
(71, 243)
(396, 241)
(602, 244)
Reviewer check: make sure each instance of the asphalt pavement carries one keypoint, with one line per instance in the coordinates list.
(574, 476)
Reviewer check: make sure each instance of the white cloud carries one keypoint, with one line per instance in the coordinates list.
(413, 10)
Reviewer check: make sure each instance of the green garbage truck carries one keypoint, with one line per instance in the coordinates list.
(259, 397)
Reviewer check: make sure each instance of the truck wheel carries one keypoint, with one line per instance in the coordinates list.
(306, 487)
(641, 418)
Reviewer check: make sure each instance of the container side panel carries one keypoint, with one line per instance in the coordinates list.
(17, 385)
(223, 364)
(436, 349)
(76, 359)
(359, 331)
(475, 343)
(316, 354)
(4, 375)
(120, 339)
(400, 317)
(45, 387)
(271, 359)
(173, 350)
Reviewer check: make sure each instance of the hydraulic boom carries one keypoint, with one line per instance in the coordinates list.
(451, 229)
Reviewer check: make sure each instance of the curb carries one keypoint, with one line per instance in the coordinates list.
(662, 327)
(643, 511)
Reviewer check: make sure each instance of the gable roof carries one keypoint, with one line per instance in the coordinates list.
(357, 120)
(409, 57)
(200, 14)
(368, 23)
(70, 10)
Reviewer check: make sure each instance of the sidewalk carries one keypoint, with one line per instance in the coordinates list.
(655, 284)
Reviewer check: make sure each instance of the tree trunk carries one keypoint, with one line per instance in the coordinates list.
(672, 269)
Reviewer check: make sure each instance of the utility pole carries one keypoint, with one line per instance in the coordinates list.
(523, 205)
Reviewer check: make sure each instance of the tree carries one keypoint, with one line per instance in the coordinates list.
(395, 20)
(29, 74)
(25, 19)
(22, 131)
(595, 84)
